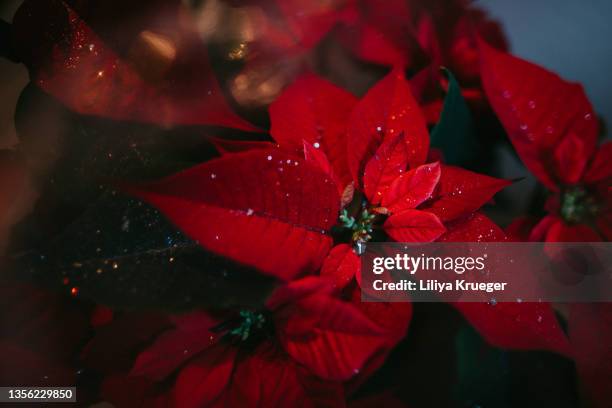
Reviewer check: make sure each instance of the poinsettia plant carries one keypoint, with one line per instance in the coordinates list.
(210, 171)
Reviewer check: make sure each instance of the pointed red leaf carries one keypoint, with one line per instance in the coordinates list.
(518, 326)
(412, 188)
(414, 226)
(461, 192)
(230, 204)
(341, 265)
(473, 228)
(559, 231)
(269, 378)
(600, 168)
(388, 163)
(90, 78)
(521, 326)
(339, 339)
(570, 158)
(538, 110)
(520, 228)
(316, 111)
(174, 347)
(540, 230)
(295, 290)
(203, 380)
(387, 110)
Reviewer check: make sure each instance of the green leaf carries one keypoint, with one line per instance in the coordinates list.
(454, 133)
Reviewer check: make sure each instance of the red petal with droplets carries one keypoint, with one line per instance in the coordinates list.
(341, 265)
(519, 326)
(412, 188)
(414, 226)
(538, 110)
(473, 228)
(229, 204)
(386, 111)
(387, 164)
(316, 111)
(461, 192)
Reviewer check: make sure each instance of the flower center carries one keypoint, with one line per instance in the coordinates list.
(577, 205)
(361, 226)
(249, 322)
(359, 222)
(248, 325)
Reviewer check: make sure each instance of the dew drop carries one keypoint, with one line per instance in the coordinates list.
(269, 158)
(249, 212)
(531, 104)
(506, 94)
(588, 116)
(540, 319)
(213, 176)
(316, 145)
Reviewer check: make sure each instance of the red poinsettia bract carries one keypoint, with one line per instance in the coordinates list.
(299, 348)
(276, 209)
(383, 129)
(554, 130)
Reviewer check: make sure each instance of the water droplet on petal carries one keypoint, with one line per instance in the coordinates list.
(249, 212)
(506, 94)
(531, 104)
(213, 176)
(269, 157)
(316, 145)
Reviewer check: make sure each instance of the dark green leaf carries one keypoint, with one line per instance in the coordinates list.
(454, 133)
